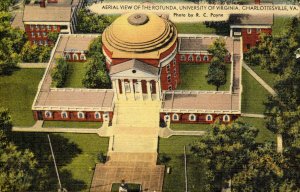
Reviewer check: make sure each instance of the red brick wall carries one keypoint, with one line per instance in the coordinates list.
(253, 38)
(200, 118)
(72, 116)
(173, 72)
(40, 30)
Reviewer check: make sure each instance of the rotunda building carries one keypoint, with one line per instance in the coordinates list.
(140, 51)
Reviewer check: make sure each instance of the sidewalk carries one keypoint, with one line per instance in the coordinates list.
(167, 132)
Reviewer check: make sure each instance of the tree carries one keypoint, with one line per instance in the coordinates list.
(216, 73)
(11, 43)
(96, 75)
(5, 4)
(89, 22)
(225, 149)
(53, 36)
(218, 49)
(5, 120)
(59, 73)
(263, 172)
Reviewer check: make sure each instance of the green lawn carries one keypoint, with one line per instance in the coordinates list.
(280, 24)
(75, 75)
(173, 148)
(193, 78)
(254, 95)
(189, 127)
(264, 134)
(17, 92)
(269, 78)
(194, 28)
(68, 124)
(76, 156)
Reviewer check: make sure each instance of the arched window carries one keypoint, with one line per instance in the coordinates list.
(182, 58)
(175, 117)
(191, 58)
(82, 57)
(97, 115)
(170, 87)
(167, 117)
(192, 117)
(80, 115)
(64, 115)
(67, 56)
(48, 114)
(205, 58)
(75, 56)
(226, 118)
(198, 58)
(174, 61)
(209, 117)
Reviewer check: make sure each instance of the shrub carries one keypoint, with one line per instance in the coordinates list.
(59, 73)
(102, 157)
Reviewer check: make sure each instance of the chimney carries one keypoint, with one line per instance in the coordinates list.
(257, 2)
(43, 3)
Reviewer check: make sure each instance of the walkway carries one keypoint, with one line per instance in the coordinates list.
(258, 79)
(253, 115)
(32, 65)
(167, 132)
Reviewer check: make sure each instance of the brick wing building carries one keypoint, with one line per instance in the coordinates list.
(50, 16)
(249, 27)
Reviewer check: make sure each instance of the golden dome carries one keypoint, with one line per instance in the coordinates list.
(133, 34)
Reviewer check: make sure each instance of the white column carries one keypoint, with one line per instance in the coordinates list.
(141, 89)
(132, 89)
(123, 88)
(115, 88)
(157, 87)
(148, 90)
(231, 32)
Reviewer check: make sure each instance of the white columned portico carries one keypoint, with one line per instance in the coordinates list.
(116, 88)
(148, 90)
(140, 89)
(157, 87)
(123, 88)
(132, 88)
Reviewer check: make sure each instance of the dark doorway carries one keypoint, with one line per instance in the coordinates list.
(40, 115)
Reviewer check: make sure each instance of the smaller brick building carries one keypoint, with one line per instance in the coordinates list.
(58, 16)
(249, 27)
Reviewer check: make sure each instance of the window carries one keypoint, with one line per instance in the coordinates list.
(205, 58)
(192, 117)
(67, 56)
(82, 57)
(54, 27)
(169, 78)
(37, 27)
(175, 117)
(175, 72)
(48, 114)
(43, 27)
(258, 30)
(45, 42)
(64, 115)
(31, 27)
(170, 87)
(209, 118)
(198, 58)
(80, 115)
(168, 68)
(38, 34)
(97, 115)
(248, 46)
(48, 27)
(182, 58)
(167, 117)
(41, 42)
(34, 42)
(226, 118)
(249, 31)
(32, 34)
(174, 62)
(44, 34)
(75, 56)
(191, 58)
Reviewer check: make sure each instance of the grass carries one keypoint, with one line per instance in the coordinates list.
(17, 92)
(269, 78)
(75, 75)
(193, 78)
(175, 181)
(68, 124)
(280, 25)
(82, 166)
(254, 95)
(264, 134)
(190, 127)
(194, 28)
